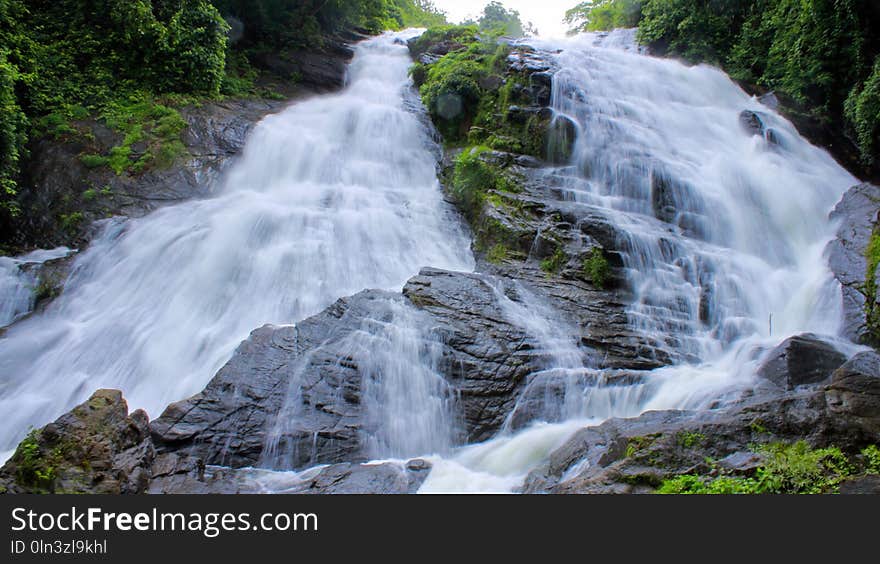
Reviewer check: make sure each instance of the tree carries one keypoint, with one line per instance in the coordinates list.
(498, 20)
(597, 15)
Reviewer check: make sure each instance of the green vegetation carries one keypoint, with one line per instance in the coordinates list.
(871, 455)
(862, 109)
(787, 469)
(596, 268)
(497, 254)
(35, 471)
(689, 439)
(498, 21)
(475, 177)
(132, 62)
(597, 15)
(156, 130)
(46, 289)
(554, 263)
(821, 54)
(636, 445)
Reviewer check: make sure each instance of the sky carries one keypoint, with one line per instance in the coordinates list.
(545, 14)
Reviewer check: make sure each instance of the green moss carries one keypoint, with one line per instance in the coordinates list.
(636, 445)
(497, 254)
(872, 308)
(688, 439)
(596, 268)
(46, 289)
(35, 470)
(94, 161)
(554, 263)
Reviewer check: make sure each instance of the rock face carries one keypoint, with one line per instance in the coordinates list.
(636, 455)
(857, 215)
(804, 359)
(484, 356)
(95, 448)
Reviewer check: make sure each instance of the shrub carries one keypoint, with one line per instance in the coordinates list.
(863, 112)
(596, 268)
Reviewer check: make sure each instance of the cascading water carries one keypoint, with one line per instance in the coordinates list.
(19, 283)
(719, 230)
(334, 195)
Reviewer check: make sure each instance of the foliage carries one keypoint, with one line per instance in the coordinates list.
(153, 126)
(13, 135)
(554, 263)
(497, 254)
(787, 469)
(497, 20)
(454, 87)
(871, 455)
(862, 110)
(596, 268)
(599, 15)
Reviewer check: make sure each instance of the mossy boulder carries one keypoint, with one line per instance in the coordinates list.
(95, 448)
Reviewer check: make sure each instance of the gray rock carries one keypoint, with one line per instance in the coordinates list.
(856, 215)
(801, 360)
(636, 455)
(863, 485)
(95, 448)
(339, 479)
(751, 122)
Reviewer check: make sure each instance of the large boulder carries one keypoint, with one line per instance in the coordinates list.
(801, 360)
(856, 215)
(95, 448)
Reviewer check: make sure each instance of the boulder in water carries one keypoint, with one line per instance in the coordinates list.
(801, 360)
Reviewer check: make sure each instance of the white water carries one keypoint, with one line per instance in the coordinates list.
(339, 194)
(334, 195)
(18, 282)
(751, 226)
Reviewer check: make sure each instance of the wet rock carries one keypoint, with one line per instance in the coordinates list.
(770, 100)
(856, 215)
(863, 485)
(801, 360)
(636, 455)
(95, 448)
(341, 479)
(751, 122)
(560, 140)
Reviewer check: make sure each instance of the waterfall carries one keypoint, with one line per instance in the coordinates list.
(336, 194)
(718, 229)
